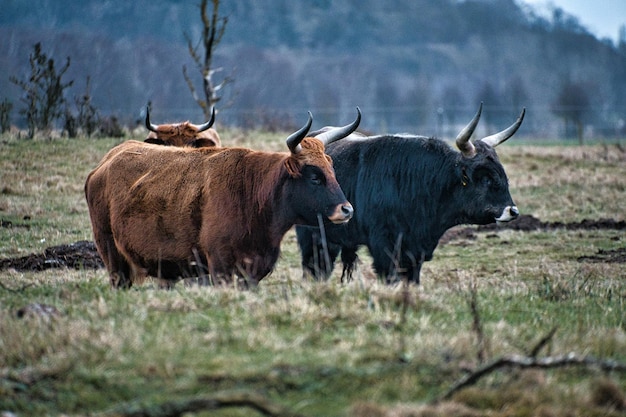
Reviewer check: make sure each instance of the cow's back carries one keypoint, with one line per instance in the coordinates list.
(387, 180)
(156, 210)
(146, 204)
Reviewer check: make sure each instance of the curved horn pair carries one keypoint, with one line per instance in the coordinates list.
(468, 149)
(330, 136)
(201, 128)
(337, 133)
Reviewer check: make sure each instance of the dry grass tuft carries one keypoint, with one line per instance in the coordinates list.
(326, 348)
(606, 393)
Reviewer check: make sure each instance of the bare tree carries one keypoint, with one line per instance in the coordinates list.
(213, 28)
(43, 91)
(86, 118)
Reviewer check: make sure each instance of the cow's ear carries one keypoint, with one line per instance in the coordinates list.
(203, 143)
(293, 167)
(155, 141)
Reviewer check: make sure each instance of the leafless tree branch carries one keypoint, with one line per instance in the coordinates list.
(213, 28)
(543, 342)
(192, 89)
(527, 362)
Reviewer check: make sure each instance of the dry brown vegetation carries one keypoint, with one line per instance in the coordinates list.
(70, 345)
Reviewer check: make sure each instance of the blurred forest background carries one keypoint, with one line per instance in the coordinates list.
(417, 66)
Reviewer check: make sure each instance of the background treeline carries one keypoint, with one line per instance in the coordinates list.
(411, 65)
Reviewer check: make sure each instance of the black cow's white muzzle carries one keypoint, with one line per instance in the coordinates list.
(509, 213)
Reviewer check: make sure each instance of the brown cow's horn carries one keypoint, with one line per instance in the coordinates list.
(207, 125)
(149, 125)
(497, 138)
(293, 141)
(462, 140)
(337, 133)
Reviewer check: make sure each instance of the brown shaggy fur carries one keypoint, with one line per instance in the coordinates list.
(156, 210)
(184, 134)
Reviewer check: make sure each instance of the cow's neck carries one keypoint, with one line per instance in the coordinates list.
(445, 211)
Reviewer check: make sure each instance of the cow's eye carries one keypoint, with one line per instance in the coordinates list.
(316, 179)
(487, 181)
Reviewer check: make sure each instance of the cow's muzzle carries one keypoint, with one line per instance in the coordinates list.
(509, 213)
(342, 213)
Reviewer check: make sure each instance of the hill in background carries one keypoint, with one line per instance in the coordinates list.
(411, 65)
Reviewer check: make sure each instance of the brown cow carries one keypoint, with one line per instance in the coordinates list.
(183, 134)
(170, 212)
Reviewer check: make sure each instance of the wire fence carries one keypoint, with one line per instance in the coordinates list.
(541, 122)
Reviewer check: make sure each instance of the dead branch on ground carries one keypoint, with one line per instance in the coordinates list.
(543, 342)
(177, 408)
(527, 362)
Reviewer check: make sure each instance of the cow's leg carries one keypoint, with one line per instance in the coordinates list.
(383, 264)
(306, 237)
(413, 271)
(120, 270)
(318, 256)
(348, 259)
(116, 264)
(394, 266)
(381, 248)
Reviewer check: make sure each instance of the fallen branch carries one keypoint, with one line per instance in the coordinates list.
(542, 343)
(526, 362)
(177, 408)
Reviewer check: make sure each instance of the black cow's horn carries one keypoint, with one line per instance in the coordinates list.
(149, 125)
(207, 125)
(462, 140)
(293, 141)
(497, 138)
(337, 133)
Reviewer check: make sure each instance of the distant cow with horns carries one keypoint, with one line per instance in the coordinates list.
(183, 134)
(407, 191)
(160, 210)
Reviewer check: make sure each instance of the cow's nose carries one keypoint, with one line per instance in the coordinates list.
(509, 213)
(347, 210)
(342, 213)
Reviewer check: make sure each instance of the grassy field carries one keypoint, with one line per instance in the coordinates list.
(322, 349)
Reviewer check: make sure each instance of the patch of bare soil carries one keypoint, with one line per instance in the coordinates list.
(83, 254)
(529, 223)
(608, 256)
(78, 255)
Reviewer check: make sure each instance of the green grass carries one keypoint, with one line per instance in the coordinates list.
(319, 349)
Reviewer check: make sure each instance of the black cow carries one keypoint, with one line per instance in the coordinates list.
(407, 191)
